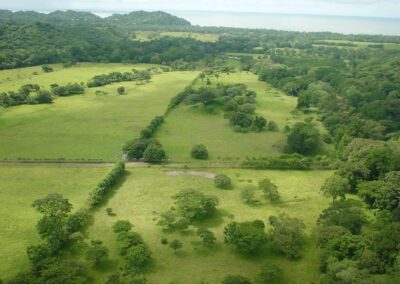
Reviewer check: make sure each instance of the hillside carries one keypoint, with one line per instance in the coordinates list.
(69, 17)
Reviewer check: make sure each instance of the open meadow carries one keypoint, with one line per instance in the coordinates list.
(189, 125)
(83, 127)
(19, 187)
(146, 192)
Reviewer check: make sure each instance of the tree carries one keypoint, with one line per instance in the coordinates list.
(259, 122)
(135, 149)
(248, 194)
(270, 274)
(154, 153)
(248, 237)
(222, 181)
(122, 226)
(53, 205)
(137, 258)
(199, 152)
(207, 236)
(53, 226)
(336, 186)
(121, 90)
(170, 220)
(272, 126)
(287, 234)
(346, 213)
(176, 245)
(269, 189)
(303, 138)
(96, 252)
(236, 279)
(327, 233)
(193, 204)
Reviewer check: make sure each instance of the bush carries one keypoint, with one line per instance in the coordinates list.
(269, 189)
(236, 279)
(270, 274)
(272, 126)
(67, 90)
(121, 90)
(47, 69)
(222, 181)
(199, 152)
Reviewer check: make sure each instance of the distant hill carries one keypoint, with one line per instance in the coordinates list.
(136, 18)
(143, 18)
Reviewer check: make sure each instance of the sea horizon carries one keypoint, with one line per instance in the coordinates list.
(343, 24)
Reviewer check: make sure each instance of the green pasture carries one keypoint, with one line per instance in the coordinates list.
(147, 191)
(12, 80)
(19, 187)
(151, 35)
(392, 46)
(190, 125)
(84, 127)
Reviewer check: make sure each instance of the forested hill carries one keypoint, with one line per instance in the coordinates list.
(136, 18)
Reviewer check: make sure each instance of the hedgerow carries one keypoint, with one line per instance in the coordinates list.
(104, 187)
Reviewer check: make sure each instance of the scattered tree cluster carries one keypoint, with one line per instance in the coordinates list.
(27, 94)
(115, 77)
(132, 248)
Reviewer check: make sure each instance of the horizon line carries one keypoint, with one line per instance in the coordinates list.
(94, 11)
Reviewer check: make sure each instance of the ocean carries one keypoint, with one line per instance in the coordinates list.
(290, 22)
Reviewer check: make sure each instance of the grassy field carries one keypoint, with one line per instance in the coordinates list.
(86, 127)
(12, 80)
(365, 43)
(149, 189)
(19, 187)
(190, 125)
(150, 35)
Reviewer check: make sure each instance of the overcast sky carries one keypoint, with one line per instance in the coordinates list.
(378, 8)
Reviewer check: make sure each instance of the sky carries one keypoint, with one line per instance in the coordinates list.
(368, 8)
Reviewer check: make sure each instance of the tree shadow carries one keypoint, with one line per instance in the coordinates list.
(214, 221)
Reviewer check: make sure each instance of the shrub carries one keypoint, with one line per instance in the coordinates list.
(269, 189)
(236, 279)
(176, 245)
(207, 236)
(272, 126)
(68, 90)
(121, 90)
(222, 181)
(248, 195)
(270, 274)
(199, 152)
(47, 69)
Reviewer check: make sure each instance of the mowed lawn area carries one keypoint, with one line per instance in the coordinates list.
(89, 126)
(19, 187)
(189, 125)
(147, 192)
